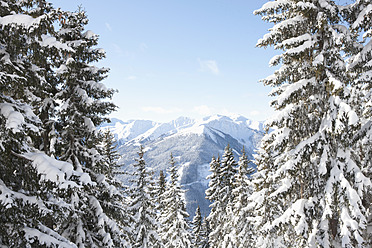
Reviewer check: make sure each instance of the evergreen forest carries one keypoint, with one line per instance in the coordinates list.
(309, 185)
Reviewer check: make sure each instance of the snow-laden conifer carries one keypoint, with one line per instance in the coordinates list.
(204, 233)
(220, 193)
(197, 223)
(175, 229)
(241, 222)
(358, 15)
(41, 52)
(213, 195)
(83, 106)
(262, 209)
(142, 208)
(109, 151)
(113, 193)
(32, 184)
(56, 203)
(83, 97)
(316, 184)
(200, 230)
(159, 191)
(228, 173)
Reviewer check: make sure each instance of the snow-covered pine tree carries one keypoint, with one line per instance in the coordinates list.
(109, 151)
(113, 199)
(228, 173)
(175, 229)
(83, 106)
(204, 233)
(32, 184)
(30, 205)
(142, 207)
(197, 223)
(161, 184)
(317, 185)
(159, 191)
(259, 205)
(220, 193)
(83, 98)
(41, 52)
(200, 227)
(213, 194)
(359, 14)
(241, 220)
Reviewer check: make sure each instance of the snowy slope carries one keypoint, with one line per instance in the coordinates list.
(139, 130)
(192, 143)
(238, 127)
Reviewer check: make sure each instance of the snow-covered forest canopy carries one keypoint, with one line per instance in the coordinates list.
(308, 186)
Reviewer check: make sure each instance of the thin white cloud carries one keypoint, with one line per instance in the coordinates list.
(131, 78)
(117, 48)
(226, 112)
(203, 110)
(108, 26)
(130, 54)
(209, 65)
(160, 110)
(143, 47)
(255, 113)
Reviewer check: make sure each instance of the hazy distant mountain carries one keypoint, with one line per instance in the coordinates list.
(192, 143)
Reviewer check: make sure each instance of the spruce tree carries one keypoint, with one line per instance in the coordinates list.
(197, 223)
(142, 207)
(316, 184)
(201, 230)
(159, 191)
(220, 192)
(83, 106)
(228, 174)
(41, 51)
(175, 230)
(241, 221)
(259, 205)
(113, 193)
(109, 151)
(161, 184)
(359, 68)
(32, 184)
(66, 203)
(204, 233)
(213, 195)
(83, 98)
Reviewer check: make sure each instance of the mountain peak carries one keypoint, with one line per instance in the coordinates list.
(182, 121)
(192, 143)
(236, 126)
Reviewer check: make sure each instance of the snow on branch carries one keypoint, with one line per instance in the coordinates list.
(274, 5)
(56, 171)
(8, 196)
(49, 41)
(21, 20)
(47, 237)
(289, 89)
(294, 41)
(277, 30)
(15, 119)
(362, 15)
(295, 215)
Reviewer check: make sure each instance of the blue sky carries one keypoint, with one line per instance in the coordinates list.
(182, 58)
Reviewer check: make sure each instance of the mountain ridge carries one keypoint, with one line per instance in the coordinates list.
(191, 142)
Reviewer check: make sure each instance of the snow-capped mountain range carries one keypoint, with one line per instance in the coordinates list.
(191, 142)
